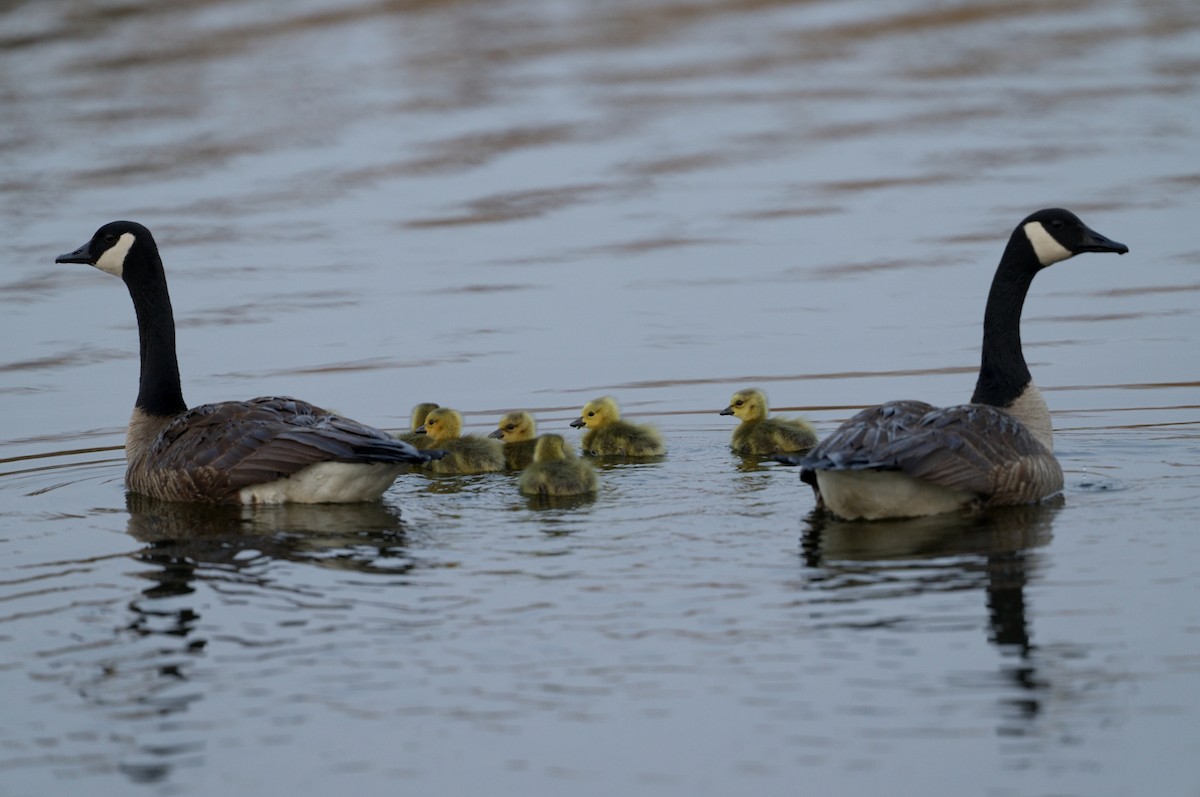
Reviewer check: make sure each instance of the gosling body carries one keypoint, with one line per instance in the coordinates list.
(465, 453)
(758, 434)
(908, 458)
(609, 436)
(556, 471)
(265, 450)
(518, 432)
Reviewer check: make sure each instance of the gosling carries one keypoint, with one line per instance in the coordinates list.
(465, 454)
(556, 471)
(419, 414)
(760, 436)
(518, 431)
(609, 436)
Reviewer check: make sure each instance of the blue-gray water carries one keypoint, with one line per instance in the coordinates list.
(527, 204)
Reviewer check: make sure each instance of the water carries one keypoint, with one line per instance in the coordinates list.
(529, 204)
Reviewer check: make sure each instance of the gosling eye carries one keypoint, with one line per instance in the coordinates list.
(738, 403)
(591, 414)
(510, 427)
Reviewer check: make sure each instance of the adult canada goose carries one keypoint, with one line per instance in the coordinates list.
(518, 430)
(609, 436)
(265, 450)
(465, 453)
(556, 470)
(760, 435)
(907, 458)
(419, 414)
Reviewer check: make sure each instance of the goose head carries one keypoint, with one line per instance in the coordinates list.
(1056, 234)
(597, 413)
(124, 249)
(550, 448)
(516, 427)
(747, 405)
(442, 424)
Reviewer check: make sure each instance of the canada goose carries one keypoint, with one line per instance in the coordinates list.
(265, 450)
(607, 435)
(412, 436)
(556, 470)
(518, 430)
(907, 458)
(465, 453)
(759, 435)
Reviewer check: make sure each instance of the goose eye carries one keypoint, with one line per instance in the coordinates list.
(109, 238)
(1057, 224)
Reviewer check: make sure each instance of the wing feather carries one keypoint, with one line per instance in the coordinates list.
(972, 447)
(242, 443)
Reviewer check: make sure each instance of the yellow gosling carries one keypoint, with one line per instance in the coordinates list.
(761, 436)
(609, 436)
(556, 471)
(518, 431)
(465, 454)
(419, 414)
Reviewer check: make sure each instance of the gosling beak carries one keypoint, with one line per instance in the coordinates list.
(1095, 242)
(420, 429)
(81, 255)
(577, 423)
(727, 411)
(498, 434)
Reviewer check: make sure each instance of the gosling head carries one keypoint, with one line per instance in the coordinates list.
(420, 413)
(550, 448)
(1056, 234)
(442, 424)
(109, 250)
(747, 405)
(597, 413)
(516, 427)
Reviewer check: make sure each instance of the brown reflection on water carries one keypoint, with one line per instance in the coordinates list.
(85, 355)
(476, 149)
(511, 206)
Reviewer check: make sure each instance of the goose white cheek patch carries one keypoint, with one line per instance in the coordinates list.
(113, 259)
(1045, 247)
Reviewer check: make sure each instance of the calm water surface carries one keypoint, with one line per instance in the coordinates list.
(526, 204)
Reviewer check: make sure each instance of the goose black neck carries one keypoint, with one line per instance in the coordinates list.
(1003, 374)
(159, 391)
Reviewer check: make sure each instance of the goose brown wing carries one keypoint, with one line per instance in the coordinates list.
(971, 447)
(981, 449)
(856, 444)
(264, 439)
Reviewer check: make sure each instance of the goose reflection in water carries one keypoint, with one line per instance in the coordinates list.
(366, 536)
(991, 549)
(218, 550)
